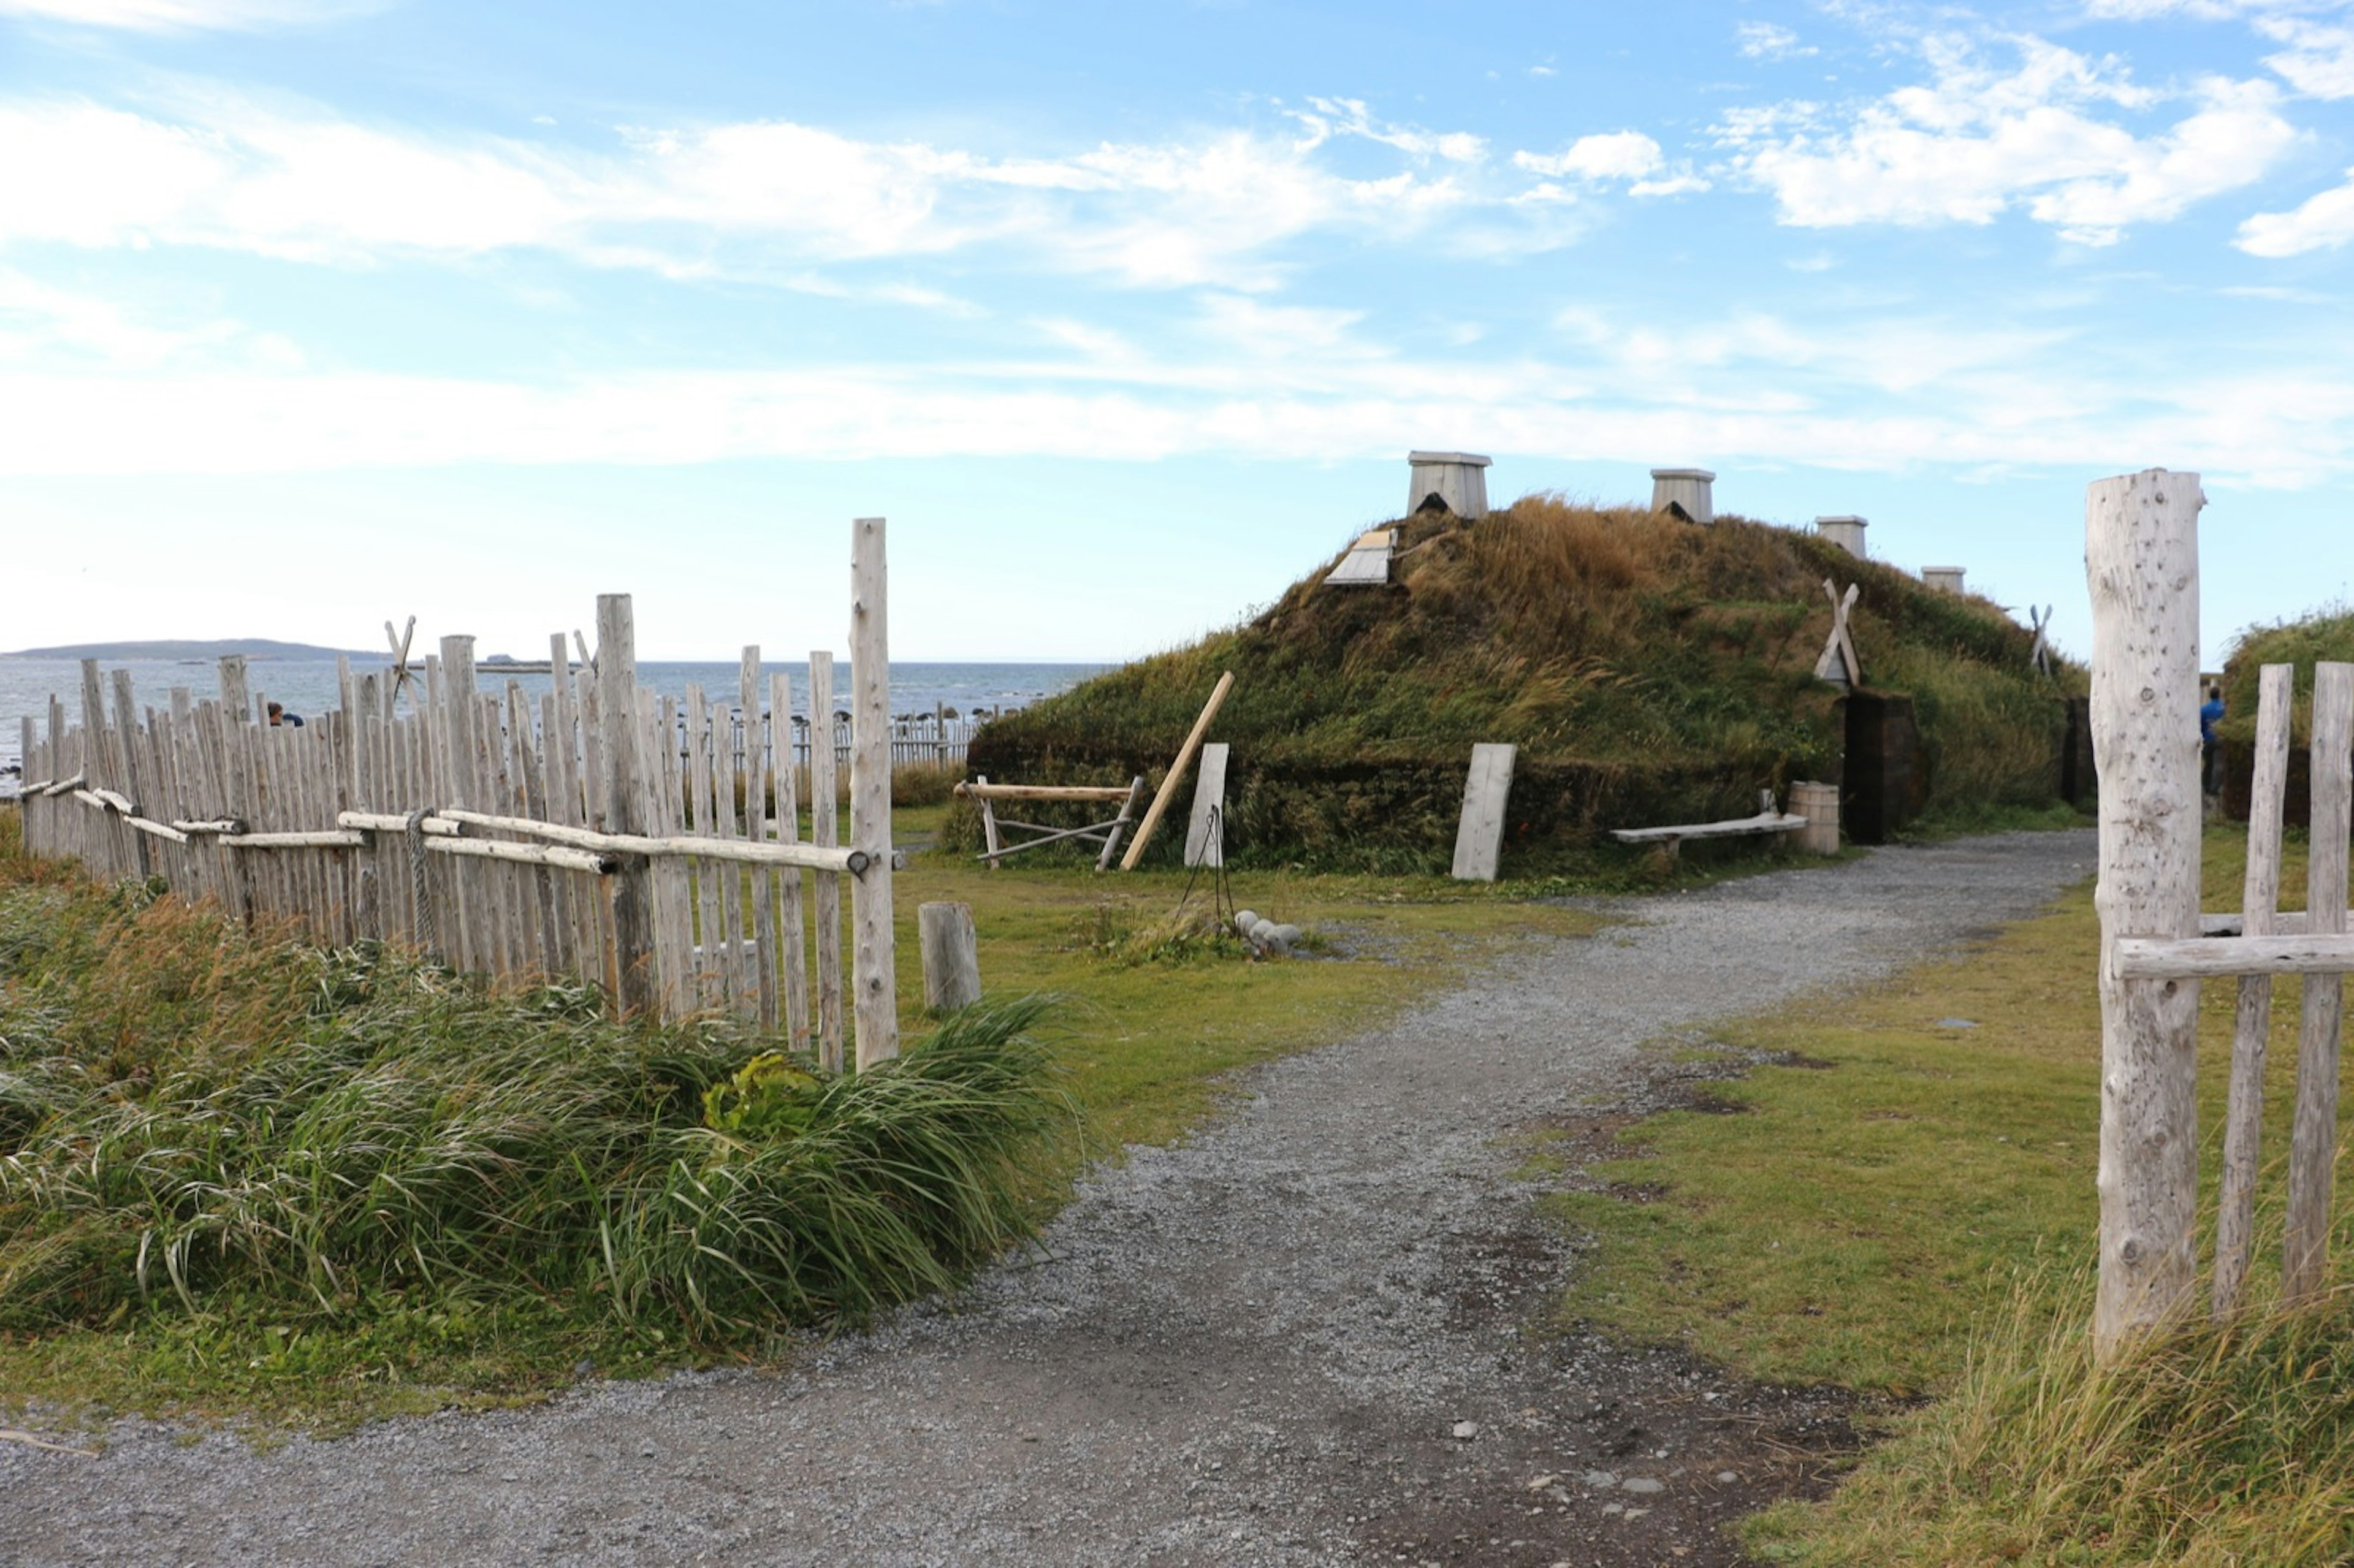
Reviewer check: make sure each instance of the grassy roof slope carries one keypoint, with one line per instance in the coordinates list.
(1604, 639)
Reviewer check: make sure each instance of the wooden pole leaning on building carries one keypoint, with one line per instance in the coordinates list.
(2141, 563)
(1176, 774)
(874, 982)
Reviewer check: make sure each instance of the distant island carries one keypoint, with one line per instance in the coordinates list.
(257, 648)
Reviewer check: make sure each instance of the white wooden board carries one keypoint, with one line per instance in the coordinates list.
(1480, 840)
(1205, 846)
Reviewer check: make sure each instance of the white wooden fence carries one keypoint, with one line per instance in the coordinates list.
(522, 838)
(2141, 559)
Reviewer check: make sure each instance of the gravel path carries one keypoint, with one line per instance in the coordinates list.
(1302, 1338)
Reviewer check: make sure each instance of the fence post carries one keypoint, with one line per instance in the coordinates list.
(2313, 1143)
(951, 955)
(872, 959)
(2141, 563)
(617, 717)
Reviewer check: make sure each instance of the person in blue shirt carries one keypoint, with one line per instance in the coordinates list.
(2211, 756)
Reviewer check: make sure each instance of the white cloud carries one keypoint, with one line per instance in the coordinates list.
(754, 199)
(1613, 155)
(2322, 222)
(1975, 142)
(1769, 41)
(2319, 59)
(189, 16)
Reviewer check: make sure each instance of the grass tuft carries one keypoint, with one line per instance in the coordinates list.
(2218, 1446)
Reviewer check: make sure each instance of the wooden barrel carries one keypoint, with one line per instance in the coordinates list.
(1818, 804)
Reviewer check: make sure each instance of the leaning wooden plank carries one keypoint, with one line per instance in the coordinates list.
(791, 930)
(2313, 1140)
(709, 985)
(527, 854)
(157, 830)
(1480, 836)
(1205, 837)
(2235, 1202)
(874, 945)
(1176, 773)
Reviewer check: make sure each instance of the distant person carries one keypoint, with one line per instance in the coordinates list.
(279, 716)
(2211, 756)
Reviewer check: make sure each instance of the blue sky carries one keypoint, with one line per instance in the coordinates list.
(317, 311)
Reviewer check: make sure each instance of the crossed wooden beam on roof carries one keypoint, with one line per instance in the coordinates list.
(1838, 663)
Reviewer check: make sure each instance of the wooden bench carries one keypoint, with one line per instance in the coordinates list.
(1766, 821)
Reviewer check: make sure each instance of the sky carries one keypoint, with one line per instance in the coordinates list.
(314, 312)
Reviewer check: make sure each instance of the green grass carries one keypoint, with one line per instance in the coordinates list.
(2327, 633)
(1909, 1209)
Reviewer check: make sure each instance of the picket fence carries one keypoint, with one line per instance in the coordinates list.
(519, 838)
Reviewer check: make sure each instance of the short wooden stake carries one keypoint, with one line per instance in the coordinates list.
(2141, 562)
(951, 955)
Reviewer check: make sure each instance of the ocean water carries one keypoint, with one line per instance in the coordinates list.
(307, 687)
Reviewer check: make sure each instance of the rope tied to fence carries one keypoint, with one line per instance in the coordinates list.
(420, 891)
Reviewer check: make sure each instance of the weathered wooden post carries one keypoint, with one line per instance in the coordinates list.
(2313, 1141)
(2141, 563)
(825, 895)
(951, 955)
(873, 968)
(616, 712)
(2235, 1204)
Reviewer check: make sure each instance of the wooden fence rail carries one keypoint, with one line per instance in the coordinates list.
(516, 837)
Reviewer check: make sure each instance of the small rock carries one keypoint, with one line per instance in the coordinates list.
(1644, 1484)
(1725, 1478)
(1635, 1513)
(1289, 936)
(1244, 920)
(1599, 1479)
(1956, 1024)
(1466, 1430)
(1541, 1482)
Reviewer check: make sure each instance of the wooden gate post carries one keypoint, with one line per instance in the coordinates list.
(2141, 563)
(873, 959)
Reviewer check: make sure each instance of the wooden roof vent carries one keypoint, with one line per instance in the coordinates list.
(1847, 532)
(1447, 481)
(1686, 492)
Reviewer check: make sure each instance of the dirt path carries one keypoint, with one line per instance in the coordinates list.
(1301, 1339)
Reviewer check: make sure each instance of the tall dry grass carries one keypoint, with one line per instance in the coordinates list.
(2227, 1447)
